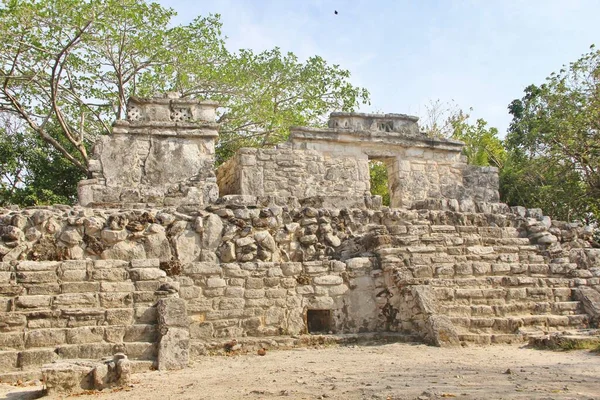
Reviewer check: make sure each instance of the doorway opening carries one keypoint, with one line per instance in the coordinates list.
(318, 321)
(379, 180)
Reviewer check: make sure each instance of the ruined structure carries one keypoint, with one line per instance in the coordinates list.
(158, 264)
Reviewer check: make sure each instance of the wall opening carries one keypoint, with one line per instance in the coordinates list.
(318, 321)
(379, 180)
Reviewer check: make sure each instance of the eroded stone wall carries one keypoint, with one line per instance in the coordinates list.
(298, 173)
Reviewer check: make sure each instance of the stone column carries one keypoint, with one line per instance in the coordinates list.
(173, 327)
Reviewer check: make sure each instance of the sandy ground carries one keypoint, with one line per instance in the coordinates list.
(388, 371)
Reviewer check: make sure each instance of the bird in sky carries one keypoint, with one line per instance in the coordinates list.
(335, 12)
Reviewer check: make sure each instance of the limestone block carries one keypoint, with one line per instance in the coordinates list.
(37, 266)
(202, 268)
(117, 286)
(125, 250)
(115, 299)
(36, 277)
(328, 280)
(145, 263)
(172, 313)
(291, 268)
(79, 287)
(214, 282)
(110, 274)
(231, 303)
(141, 333)
(75, 300)
(45, 337)
(213, 228)
(146, 274)
(40, 301)
(110, 236)
(8, 361)
(87, 334)
(68, 377)
(173, 349)
(120, 316)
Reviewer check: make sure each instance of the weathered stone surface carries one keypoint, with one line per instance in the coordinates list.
(173, 349)
(442, 332)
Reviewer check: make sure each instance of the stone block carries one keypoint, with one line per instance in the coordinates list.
(111, 275)
(291, 268)
(231, 303)
(255, 283)
(114, 334)
(76, 275)
(11, 340)
(254, 293)
(145, 263)
(147, 286)
(115, 299)
(30, 266)
(145, 315)
(79, 287)
(141, 333)
(119, 316)
(214, 282)
(141, 350)
(67, 377)
(146, 274)
(275, 293)
(117, 287)
(36, 277)
(201, 330)
(75, 300)
(45, 337)
(328, 280)
(8, 361)
(173, 350)
(87, 334)
(29, 302)
(172, 312)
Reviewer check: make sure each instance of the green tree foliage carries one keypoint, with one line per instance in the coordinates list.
(554, 144)
(379, 181)
(33, 172)
(67, 68)
(482, 145)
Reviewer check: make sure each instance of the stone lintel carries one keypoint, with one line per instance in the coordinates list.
(358, 137)
(166, 128)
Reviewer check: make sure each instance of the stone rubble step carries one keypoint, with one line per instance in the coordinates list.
(545, 322)
(252, 344)
(512, 309)
(35, 372)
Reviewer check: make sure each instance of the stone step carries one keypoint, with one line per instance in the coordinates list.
(487, 339)
(252, 344)
(501, 295)
(500, 281)
(36, 357)
(544, 322)
(512, 309)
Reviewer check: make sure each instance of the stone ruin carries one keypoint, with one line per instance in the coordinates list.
(165, 261)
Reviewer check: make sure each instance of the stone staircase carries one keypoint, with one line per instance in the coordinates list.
(491, 283)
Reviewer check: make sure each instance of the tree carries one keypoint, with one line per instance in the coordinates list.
(447, 120)
(554, 143)
(67, 68)
(482, 145)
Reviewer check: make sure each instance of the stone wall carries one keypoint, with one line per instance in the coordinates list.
(83, 282)
(298, 173)
(163, 154)
(422, 172)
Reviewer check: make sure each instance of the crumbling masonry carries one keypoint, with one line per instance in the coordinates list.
(165, 260)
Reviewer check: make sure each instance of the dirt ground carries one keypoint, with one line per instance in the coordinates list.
(387, 371)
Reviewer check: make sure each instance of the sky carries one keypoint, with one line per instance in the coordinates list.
(478, 54)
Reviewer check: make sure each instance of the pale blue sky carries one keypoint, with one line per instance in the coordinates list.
(481, 54)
